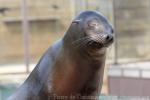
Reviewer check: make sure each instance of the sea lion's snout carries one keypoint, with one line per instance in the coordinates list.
(108, 39)
(101, 40)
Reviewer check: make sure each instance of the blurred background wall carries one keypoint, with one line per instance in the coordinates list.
(132, 21)
(50, 19)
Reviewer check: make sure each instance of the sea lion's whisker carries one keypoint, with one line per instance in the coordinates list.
(80, 40)
(82, 43)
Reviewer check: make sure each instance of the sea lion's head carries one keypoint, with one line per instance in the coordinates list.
(91, 29)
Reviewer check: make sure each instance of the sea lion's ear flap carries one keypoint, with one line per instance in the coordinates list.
(77, 21)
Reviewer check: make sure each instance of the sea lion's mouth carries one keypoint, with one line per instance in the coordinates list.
(109, 42)
(98, 45)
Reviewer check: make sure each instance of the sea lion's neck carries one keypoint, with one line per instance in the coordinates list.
(85, 54)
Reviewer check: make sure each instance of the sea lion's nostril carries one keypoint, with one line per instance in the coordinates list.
(109, 37)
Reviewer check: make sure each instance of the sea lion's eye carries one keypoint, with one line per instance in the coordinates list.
(93, 24)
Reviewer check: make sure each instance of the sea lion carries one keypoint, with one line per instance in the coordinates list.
(72, 68)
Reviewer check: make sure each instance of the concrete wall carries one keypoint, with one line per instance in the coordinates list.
(132, 19)
(48, 19)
